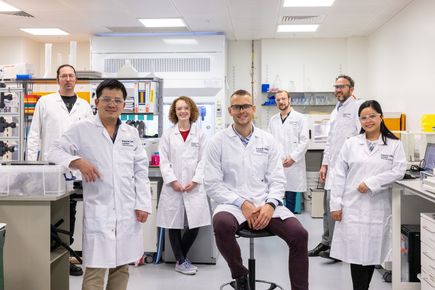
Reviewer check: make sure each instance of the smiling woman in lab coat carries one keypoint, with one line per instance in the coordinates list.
(361, 198)
(183, 202)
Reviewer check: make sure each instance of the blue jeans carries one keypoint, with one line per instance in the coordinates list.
(290, 200)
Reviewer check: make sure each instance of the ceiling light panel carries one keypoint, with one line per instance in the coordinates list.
(44, 31)
(5, 7)
(308, 3)
(163, 22)
(297, 28)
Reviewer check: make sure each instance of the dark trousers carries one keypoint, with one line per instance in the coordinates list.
(290, 200)
(182, 244)
(72, 217)
(290, 230)
(361, 276)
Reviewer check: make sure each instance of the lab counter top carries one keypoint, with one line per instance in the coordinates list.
(35, 197)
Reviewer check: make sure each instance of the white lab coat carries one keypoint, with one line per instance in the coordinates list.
(363, 236)
(50, 120)
(111, 234)
(292, 137)
(344, 124)
(254, 172)
(183, 161)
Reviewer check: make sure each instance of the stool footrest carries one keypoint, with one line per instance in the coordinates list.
(271, 287)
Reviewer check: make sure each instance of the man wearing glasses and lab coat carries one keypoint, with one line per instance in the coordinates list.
(116, 197)
(290, 129)
(344, 124)
(245, 176)
(54, 113)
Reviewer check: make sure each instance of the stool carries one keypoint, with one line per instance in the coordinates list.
(253, 234)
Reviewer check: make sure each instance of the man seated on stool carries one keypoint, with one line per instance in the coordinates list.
(244, 175)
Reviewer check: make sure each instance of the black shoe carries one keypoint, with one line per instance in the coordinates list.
(315, 252)
(75, 270)
(326, 255)
(242, 283)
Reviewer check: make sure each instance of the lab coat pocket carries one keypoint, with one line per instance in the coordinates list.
(126, 160)
(127, 224)
(95, 219)
(259, 168)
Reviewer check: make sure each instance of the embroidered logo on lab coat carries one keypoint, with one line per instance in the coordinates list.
(388, 157)
(127, 143)
(262, 150)
(195, 144)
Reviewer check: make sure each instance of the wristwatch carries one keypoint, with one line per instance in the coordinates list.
(271, 204)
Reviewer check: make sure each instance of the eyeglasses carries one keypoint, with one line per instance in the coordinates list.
(368, 117)
(109, 100)
(71, 76)
(340, 87)
(240, 107)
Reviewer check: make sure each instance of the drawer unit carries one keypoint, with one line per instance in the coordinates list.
(427, 223)
(428, 229)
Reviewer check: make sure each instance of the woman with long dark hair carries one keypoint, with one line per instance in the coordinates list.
(361, 198)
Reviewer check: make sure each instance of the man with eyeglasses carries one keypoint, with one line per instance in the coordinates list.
(54, 113)
(344, 123)
(117, 196)
(244, 175)
(290, 129)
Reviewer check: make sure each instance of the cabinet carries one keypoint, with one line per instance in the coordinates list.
(150, 228)
(29, 263)
(409, 200)
(11, 122)
(427, 222)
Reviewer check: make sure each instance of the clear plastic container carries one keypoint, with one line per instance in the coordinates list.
(32, 180)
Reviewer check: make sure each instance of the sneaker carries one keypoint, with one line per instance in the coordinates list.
(191, 265)
(75, 270)
(315, 252)
(185, 268)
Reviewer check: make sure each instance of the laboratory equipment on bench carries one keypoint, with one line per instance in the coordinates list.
(31, 179)
(11, 121)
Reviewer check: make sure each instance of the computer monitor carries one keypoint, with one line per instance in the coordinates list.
(429, 157)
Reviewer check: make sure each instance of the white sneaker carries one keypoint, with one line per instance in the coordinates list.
(193, 266)
(185, 268)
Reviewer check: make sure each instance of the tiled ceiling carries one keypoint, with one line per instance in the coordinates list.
(237, 19)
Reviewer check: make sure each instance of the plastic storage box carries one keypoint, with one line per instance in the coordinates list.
(32, 180)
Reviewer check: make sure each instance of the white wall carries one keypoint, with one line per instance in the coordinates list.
(402, 62)
(60, 55)
(18, 50)
(312, 64)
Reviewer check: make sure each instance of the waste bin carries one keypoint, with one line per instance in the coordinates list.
(2, 242)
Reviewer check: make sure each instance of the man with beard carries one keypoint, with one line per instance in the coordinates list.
(344, 124)
(290, 129)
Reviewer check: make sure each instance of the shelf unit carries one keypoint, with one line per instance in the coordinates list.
(11, 122)
(143, 94)
(29, 263)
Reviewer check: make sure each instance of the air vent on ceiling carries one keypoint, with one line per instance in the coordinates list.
(176, 64)
(302, 19)
(18, 13)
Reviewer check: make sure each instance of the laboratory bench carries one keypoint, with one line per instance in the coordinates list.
(29, 262)
(410, 205)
